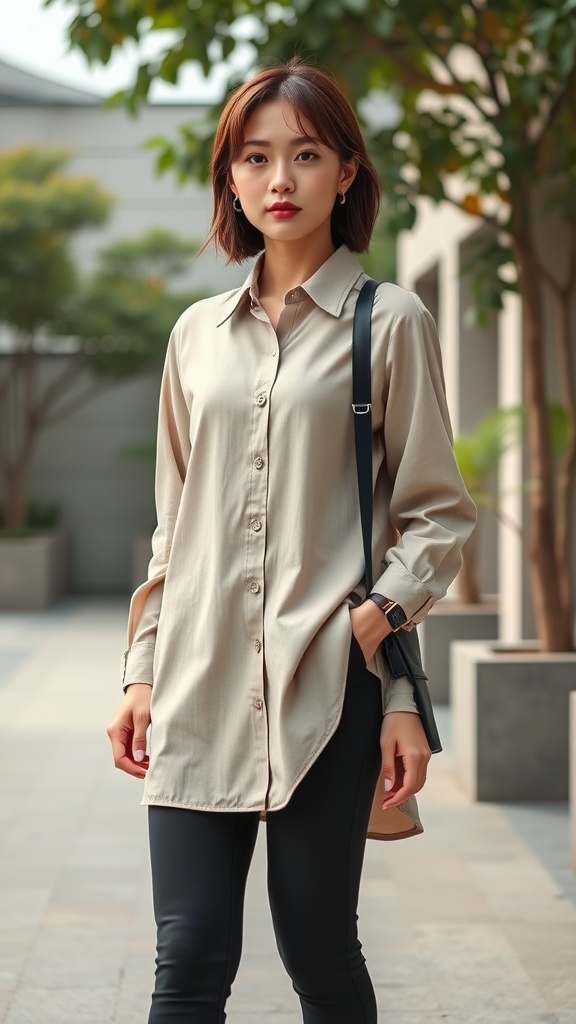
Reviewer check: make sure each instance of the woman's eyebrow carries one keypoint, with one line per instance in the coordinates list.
(297, 141)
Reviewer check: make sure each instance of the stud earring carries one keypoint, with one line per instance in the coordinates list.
(237, 204)
(342, 198)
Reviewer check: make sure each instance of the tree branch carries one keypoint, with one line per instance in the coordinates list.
(412, 76)
(59, 384)
(463, 91)
(562, 291)
(492, 221)
(553, 113)
(74, 404)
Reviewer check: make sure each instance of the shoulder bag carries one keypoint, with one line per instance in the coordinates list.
(401, 649)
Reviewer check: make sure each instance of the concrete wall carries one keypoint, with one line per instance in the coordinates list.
(107, 501)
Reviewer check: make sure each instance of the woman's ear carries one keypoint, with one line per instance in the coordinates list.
(348, 173)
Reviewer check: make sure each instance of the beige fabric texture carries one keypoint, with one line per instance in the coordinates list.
(243, 626)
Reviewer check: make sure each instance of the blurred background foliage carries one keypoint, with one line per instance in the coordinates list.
(109, 324)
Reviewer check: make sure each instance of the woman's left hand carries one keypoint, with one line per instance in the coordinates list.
(405, 756)
(369, 626)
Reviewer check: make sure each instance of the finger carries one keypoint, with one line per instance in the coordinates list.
(399, 794)
(126, 764)
(121, 740)
(392, 772)
(141, 723)
(408, 786)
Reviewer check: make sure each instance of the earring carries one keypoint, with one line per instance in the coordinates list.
(342, 198)
(237, 204)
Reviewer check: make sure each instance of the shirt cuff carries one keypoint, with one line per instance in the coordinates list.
(400, 696)
(137, 664)
(401, 586)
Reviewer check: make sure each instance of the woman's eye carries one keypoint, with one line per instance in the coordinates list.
(256, 158)
(307, 157)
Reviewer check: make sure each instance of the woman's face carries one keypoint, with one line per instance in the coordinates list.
(287, 181)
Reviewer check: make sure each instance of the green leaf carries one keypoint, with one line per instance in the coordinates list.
(542, 22)
(356, 6)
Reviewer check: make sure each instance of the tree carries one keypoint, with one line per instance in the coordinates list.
(109, 325)
(486, 96)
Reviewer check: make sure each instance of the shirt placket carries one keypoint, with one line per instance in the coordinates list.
(256, 533)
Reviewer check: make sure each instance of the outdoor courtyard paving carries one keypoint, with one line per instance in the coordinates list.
(472, 923)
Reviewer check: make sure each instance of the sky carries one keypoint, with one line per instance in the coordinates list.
(34, 38)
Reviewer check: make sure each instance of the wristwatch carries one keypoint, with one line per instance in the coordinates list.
(391, 609)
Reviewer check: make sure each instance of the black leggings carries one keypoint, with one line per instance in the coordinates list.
(315, 846)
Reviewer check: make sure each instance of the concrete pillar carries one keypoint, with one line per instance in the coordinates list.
(449, 325)
(510, 557)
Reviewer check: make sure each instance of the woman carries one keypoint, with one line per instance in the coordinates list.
(253, 648)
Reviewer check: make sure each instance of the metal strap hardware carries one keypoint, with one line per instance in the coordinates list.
(362, 409)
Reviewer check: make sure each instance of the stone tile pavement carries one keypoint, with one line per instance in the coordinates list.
(472, 923)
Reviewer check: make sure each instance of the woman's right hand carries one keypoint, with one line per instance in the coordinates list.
(127, 730)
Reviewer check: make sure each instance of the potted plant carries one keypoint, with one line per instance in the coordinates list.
(71, 337)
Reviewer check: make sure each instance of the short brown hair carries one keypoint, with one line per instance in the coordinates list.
(316, 97)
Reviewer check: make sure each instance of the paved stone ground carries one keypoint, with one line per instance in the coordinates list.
(473, 923)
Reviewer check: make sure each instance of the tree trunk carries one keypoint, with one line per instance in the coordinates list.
(16, 487)
(553, 625)
(20, 426)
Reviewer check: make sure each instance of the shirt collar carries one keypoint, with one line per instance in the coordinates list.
(328, 287)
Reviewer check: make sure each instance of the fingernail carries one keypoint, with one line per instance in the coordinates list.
(139, 755)
(388, 785)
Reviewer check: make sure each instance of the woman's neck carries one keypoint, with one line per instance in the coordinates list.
(287, 265)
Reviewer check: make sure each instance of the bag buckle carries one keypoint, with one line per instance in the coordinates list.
(362, 408)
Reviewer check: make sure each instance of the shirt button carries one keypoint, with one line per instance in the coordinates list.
(256, 525)
(259, 462)
(257, 646)
(258, 704)
(254, 587)
(261, 399)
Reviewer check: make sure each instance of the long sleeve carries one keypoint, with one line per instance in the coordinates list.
(173, 450)
(429, 506)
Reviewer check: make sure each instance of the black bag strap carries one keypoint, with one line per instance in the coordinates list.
(402, 651)
(362, 406)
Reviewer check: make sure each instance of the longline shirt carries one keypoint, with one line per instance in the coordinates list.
(243, 626)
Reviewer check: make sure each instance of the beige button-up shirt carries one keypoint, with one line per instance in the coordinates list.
(243, 626)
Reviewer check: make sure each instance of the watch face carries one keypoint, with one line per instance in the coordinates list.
(396, 617)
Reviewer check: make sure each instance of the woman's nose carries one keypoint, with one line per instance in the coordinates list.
(280, 180)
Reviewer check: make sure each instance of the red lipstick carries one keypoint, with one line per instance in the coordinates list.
(283, 211)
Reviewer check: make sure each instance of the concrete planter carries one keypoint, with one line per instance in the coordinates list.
(510, 720)
(33, 570)
(573, 780)
(450, 621)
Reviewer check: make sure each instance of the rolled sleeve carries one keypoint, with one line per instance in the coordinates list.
(399, 696)
(137, 664)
